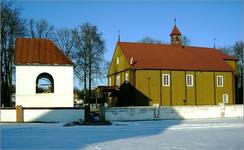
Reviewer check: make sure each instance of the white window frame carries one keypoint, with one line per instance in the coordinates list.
(109, 81)
(225, 98)
(222, 81)
(117, 60)
(118, 80)
(127, 76)
(190, 78)
(168, 78)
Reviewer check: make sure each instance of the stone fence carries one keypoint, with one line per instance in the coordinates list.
(172, 112)
(20, 114)
(41, 114)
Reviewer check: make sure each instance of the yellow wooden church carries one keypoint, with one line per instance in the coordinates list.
(171, 74)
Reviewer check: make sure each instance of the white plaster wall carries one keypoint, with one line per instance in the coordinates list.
(7, 115)
(43, 115)
(53, 115)
(191, 112)
(194, 112)
(26, 86)
(234, 110)
(129, 113)
(174, 112)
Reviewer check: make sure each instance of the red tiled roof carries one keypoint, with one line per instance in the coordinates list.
(175, 31)
(39, 51)
(175, 57)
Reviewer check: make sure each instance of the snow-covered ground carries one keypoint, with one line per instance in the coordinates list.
(210, 134)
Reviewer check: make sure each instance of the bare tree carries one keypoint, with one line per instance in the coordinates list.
(236, 50)
(80, 58)
(90, 50)
(12, 26)
(185, 40)
(227, 50)
(63, 38)
(40, 29)
(149, 40)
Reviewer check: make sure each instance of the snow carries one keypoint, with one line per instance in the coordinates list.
(211, 134)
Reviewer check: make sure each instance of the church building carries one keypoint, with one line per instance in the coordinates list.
(171, 74)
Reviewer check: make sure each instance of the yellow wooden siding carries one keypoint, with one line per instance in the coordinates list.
(116, 76)
(201, 93)
(231, 63)
(148, 88)
(123, 63)
(205, 88)
(226, 89)
(191, 90)
(165, 91)
(122, 78)
(178, 87)
(112, 80)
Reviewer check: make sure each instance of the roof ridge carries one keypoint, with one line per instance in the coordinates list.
(144, 43)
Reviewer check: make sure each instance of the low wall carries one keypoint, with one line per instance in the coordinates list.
(129, 113)
(43, 114)
(172, 112)
(8, 115)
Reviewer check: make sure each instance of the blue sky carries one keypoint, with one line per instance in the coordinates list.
(201, 21)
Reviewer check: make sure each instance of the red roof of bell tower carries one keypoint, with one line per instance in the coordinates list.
(175, 31)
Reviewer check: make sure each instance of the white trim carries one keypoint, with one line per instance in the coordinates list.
(118, 80)
(191, 79)
(168, 78)
(126, 76)
(225, 98)
(222, 81)
(109, 81)
(117, 60)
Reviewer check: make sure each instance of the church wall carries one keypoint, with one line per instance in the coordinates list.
(203, 92)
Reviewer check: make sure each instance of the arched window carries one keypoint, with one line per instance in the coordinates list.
(44, 83)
